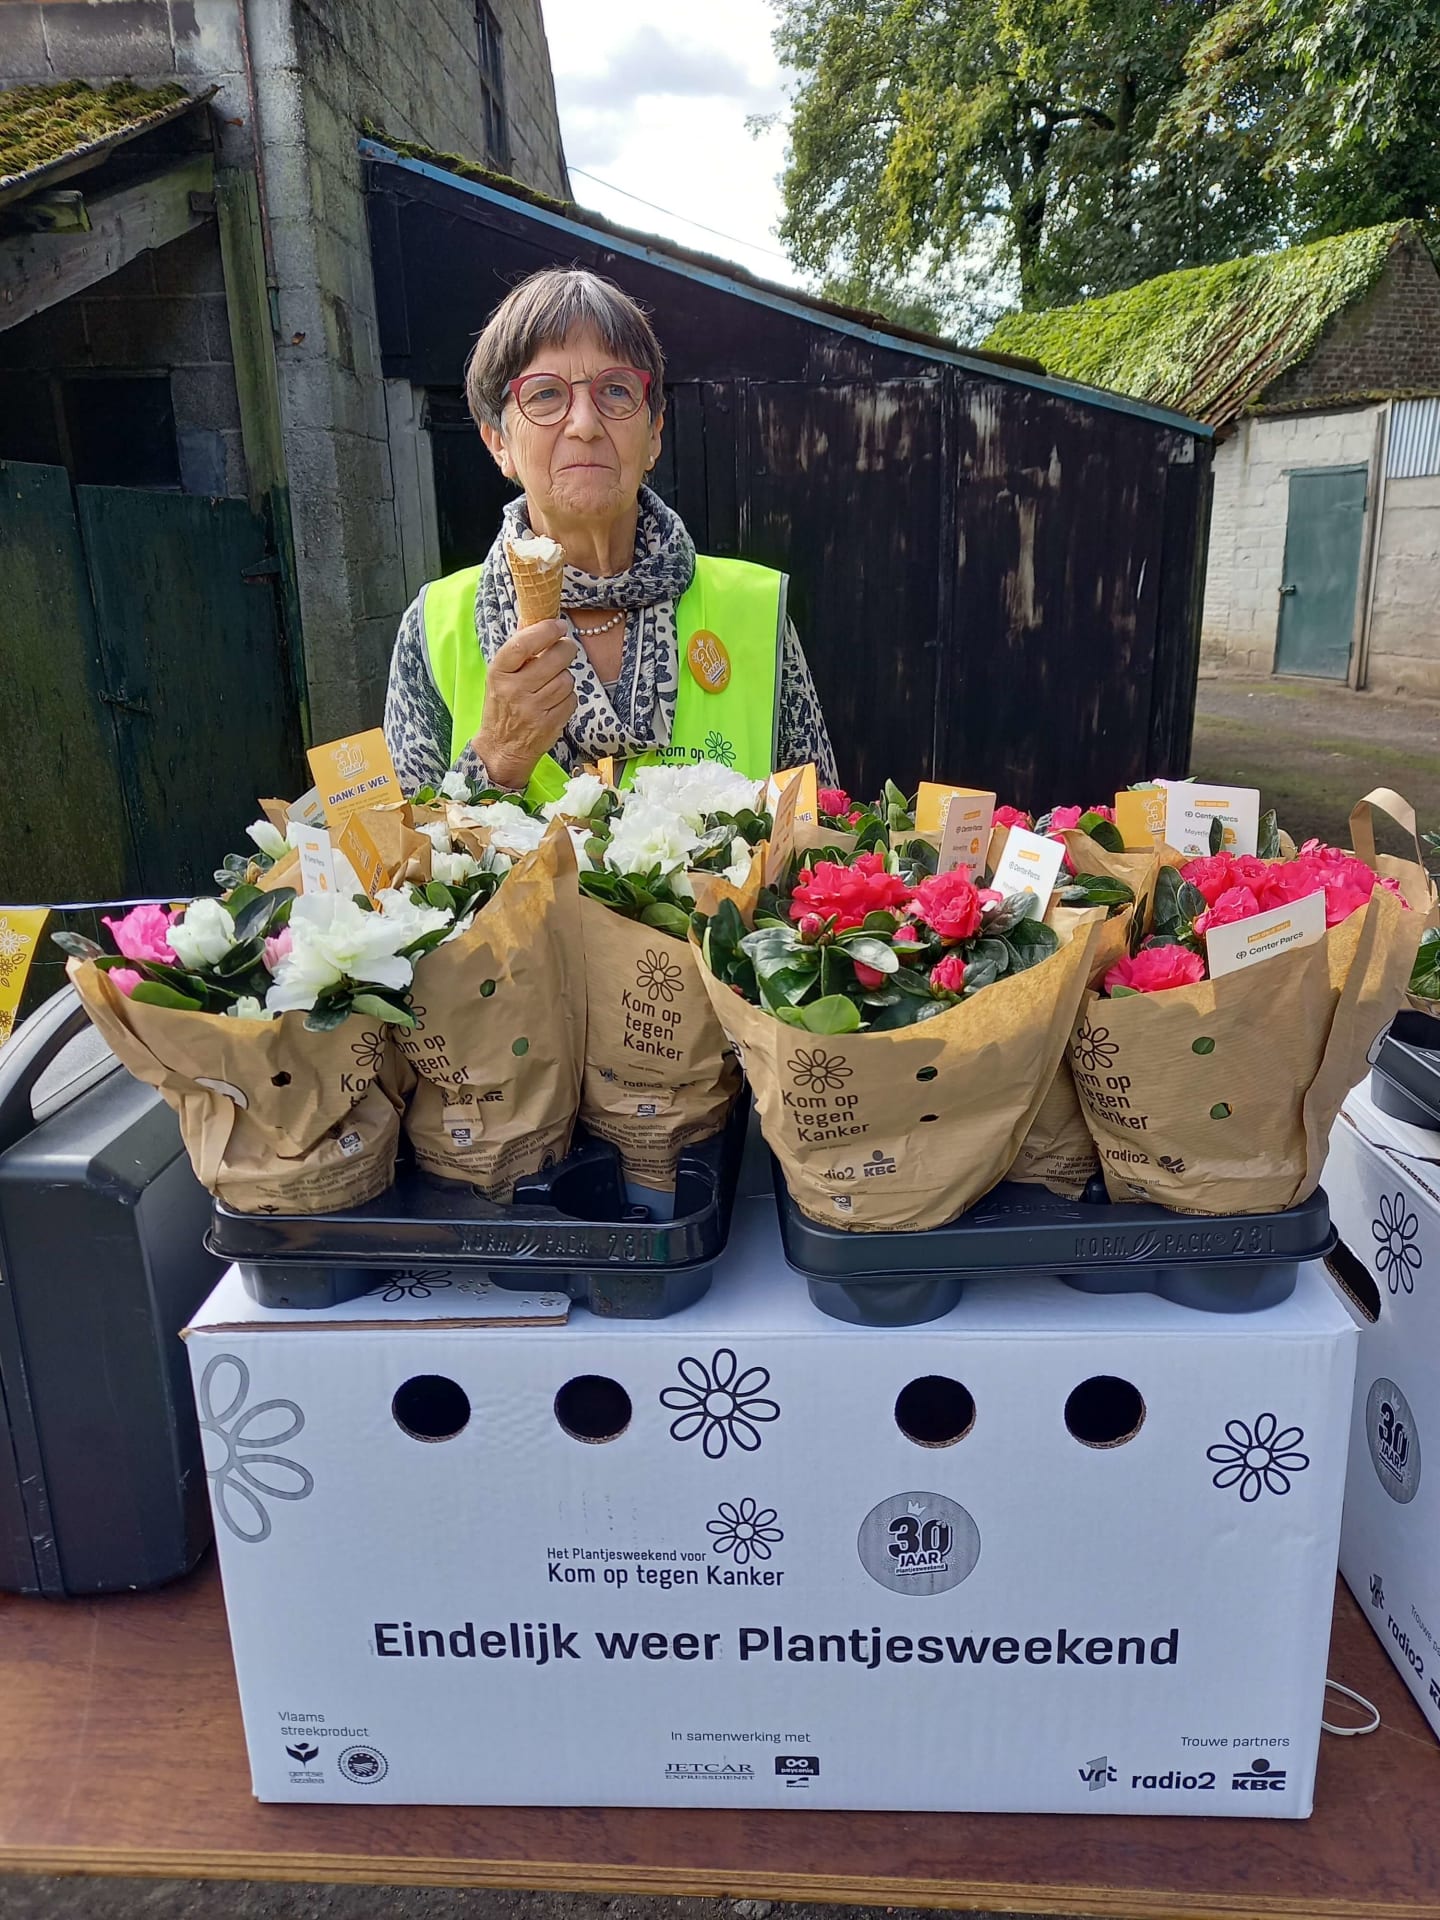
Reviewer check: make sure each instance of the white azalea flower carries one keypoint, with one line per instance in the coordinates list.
(271, 842)
(438, 834)
(697, 790)
(204, 936)
(647, 836)
(738, 870)
(247, 1007)
(334, 940)
(510, 826)
(452, 869)
(579, 839)
(455, 786)
(410, 922)
(579, 800)
(681, 887)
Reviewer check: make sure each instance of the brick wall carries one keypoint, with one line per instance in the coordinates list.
(1387, 343)
(1247, 527)
(163, 311)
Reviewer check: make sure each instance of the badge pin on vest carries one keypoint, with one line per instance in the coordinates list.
(708, 661)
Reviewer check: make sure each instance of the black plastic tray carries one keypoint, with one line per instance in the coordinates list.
(1405, 1069)
(569, 1230)
(1234, 1263)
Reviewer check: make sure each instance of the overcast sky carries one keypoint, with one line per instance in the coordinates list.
(654, 96)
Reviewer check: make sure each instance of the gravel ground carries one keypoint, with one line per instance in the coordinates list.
(1314, 749)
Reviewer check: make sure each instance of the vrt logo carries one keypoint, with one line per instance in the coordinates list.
(1099, 1773)
(304, 1753)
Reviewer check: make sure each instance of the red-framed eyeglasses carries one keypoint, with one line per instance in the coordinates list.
(617, 393)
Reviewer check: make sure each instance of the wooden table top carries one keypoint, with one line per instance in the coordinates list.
(121, 1752)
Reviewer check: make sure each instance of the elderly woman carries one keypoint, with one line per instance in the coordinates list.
(662, 654)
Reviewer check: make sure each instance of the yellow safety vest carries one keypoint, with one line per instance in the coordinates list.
(740, 605)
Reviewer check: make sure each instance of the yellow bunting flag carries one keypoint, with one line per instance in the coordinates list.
(20, 931)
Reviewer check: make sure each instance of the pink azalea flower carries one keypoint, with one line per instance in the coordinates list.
(123, 979)
(948, 973)
(1155, 969)
(276, 948)
(1013, 817)
(143, 934)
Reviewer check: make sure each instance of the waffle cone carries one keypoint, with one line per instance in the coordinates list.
(537, 586)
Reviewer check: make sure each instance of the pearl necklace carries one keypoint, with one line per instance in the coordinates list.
(604, 626)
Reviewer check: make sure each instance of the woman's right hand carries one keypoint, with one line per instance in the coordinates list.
(529, 698)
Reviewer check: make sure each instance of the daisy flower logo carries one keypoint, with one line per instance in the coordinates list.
(1398, 1257)
(369, 1052)
(815, 1071)
(418, 1285)
(244, 1473)
(720, 1404)
(717, 747)
(1258, 1459)
(745, 1530)
(658, 977)
(12, 946)
(1094, 1049)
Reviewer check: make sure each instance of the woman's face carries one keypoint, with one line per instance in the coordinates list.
(584, 467)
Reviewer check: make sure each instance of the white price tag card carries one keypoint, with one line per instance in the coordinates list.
(1300, 923)
(317, 862)
(965, 832)
(1030, 864)
(1190, 809)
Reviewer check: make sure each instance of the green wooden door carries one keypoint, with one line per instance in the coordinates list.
(1322, 571)
(64, 832)
(199, 681)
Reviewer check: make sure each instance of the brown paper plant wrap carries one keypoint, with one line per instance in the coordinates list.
(275, 1118)
(906, 1129)
(1219, 1097)
(500, 1034)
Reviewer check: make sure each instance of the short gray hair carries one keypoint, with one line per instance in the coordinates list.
(543, 311)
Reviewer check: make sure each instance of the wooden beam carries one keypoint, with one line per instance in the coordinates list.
(257, 384)
(37, 270)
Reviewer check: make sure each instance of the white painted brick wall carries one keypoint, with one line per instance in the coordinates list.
(1247, 530)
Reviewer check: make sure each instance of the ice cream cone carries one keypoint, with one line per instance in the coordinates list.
(537, 566)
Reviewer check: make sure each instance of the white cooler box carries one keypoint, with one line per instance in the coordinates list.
(1052, 1553)
(1383, 1179)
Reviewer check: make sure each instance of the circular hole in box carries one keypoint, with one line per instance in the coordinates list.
(431, 1407)
(593, 1408)
(927, 1073)
(1104, 1411)
(935, 1411)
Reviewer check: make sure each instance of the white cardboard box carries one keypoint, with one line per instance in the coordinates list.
(1385, 1203)
(763, 1591)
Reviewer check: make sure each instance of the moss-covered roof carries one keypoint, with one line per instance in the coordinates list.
(1207, 341)
(40, 126)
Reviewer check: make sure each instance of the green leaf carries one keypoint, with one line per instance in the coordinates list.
(881, 922)
(870, 952)
(1217, 834)
(791, 1016)
(1095, 890)
(1030, 943)
(154, 995)
(786, 986)
(437, 894)
(1103, 832)
(667, 918)
(257, 916)
(1425, 975)
(80, 948)
(1124, 993)
(326, 1015)
(833, 1014)
(1267, 840)
(383, 1009)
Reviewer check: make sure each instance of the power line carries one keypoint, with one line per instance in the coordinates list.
(671, 214)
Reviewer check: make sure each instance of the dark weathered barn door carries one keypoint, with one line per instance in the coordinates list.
(186, 612)
(1322, 571)
(148, 699)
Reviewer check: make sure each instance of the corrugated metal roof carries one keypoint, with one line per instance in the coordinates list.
(1207, 340)
(1414, 446)
(49, 132)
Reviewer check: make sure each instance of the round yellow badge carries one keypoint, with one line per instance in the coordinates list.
(708, 661)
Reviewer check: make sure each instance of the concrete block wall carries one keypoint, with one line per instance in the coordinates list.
(322, 69)
(1404, 652)
(1387, 343)
(1247, 527)
(164, 310)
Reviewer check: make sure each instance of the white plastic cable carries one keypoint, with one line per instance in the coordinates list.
(1347, 1733)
